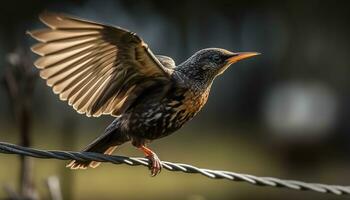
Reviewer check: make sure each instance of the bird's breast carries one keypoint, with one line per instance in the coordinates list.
(191, 103)
(159, 119)
(180, 109)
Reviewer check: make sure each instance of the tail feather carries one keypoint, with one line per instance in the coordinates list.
(109, 151)
(75, 164)
(106, 144)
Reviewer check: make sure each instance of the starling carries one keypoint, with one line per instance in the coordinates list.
(105, 70)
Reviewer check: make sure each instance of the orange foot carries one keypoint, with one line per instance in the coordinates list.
(156, 165)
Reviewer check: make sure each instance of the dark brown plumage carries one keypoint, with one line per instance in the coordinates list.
(101, 69)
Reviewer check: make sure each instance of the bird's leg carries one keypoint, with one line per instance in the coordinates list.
(156, 165)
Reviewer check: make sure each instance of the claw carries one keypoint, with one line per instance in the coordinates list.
(155, 163)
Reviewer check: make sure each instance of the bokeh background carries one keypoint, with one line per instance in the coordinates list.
(284, 114)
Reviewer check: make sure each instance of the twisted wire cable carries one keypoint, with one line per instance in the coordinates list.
(214, 174)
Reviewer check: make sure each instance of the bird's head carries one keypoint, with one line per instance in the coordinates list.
(207, 64)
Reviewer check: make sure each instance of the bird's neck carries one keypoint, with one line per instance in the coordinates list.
(196, 86)
(193, 77)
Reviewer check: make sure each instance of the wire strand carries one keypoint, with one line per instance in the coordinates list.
(8, 148)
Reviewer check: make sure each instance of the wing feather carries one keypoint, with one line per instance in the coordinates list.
(50, 35)
(98, 69)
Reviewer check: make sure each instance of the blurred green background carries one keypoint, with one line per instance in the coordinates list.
(284, 113)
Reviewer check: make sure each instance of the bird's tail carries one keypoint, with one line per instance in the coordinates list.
(106, 144)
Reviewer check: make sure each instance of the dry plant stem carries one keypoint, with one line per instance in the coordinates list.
(19, 84)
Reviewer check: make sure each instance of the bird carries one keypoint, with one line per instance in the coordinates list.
(101, 69)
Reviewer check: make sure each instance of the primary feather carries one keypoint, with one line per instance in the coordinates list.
(98, 69)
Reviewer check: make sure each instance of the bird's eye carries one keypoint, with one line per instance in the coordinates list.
(216, 58)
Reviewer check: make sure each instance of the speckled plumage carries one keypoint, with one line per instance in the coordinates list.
(100, 69)
(159, 113)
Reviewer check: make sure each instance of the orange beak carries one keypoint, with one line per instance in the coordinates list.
(240, 56)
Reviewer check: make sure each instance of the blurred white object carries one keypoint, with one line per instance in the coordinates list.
(53, 184)
(301, 109)
(14, 58)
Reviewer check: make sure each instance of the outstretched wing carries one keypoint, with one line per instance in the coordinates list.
(98, 69)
